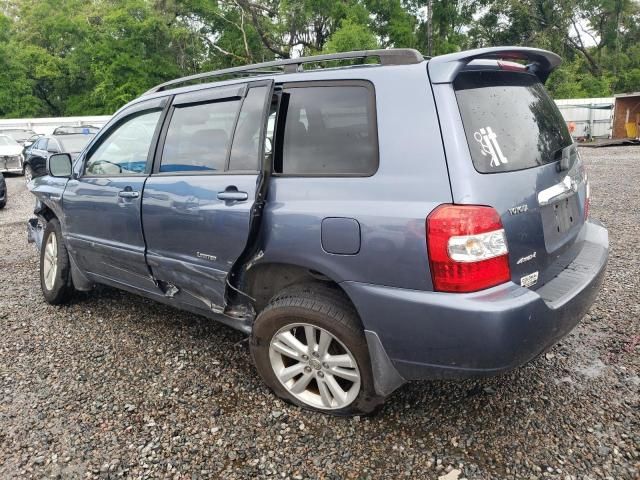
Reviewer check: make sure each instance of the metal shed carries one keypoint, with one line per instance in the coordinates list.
(592, 117)
(626, 121)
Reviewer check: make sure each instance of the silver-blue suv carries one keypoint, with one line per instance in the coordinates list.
(368, 218)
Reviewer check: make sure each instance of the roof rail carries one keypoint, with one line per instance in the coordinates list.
(444, 68)
(396, 56)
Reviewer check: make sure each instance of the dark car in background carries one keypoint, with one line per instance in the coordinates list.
(35, 163)
(28, 143)
(3, 192)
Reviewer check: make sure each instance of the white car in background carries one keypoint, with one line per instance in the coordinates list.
(11, 158)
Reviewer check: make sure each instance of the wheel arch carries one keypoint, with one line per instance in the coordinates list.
(265, 280)
(79, 279)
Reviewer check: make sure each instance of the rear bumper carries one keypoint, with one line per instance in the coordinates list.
(11, 164)
(443, 335)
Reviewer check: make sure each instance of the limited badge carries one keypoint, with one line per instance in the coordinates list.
(489, 145)
(529, 280)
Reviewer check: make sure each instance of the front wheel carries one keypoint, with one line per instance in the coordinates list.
(309, 347)
(28, 173)
(55, 266)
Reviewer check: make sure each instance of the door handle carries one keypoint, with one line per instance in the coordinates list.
(230, 195)
(128, 194)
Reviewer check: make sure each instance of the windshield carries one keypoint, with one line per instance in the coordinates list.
(18, 135)
(74, 143)
(510, 121)
(6, 141)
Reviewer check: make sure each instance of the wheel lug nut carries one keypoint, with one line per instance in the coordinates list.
(320, 374)
(305, 357)
(307, 369)
(315, 354)
(325, 365)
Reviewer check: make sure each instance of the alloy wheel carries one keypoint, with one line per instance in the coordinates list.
(50, 261)
(314, 366)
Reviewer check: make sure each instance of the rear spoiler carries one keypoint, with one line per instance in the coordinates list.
(445, 68)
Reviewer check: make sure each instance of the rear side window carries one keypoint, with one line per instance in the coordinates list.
(199, 136)
(329, 130)
(510, 121)
(42, 144)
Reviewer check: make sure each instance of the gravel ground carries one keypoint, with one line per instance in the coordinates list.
(115, 385)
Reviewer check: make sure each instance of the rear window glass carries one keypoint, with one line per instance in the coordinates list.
(510, 121)
(330, 130)
(18, 135)
(6, 141)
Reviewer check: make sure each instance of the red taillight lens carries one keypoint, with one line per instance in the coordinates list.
(467, 248)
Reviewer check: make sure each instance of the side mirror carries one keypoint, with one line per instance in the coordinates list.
(59, 165)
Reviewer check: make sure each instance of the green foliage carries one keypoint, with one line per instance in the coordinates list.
(351, 36)
(81, 57)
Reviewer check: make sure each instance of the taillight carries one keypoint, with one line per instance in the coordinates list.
(467, 248)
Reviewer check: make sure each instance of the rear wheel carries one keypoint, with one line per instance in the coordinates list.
(55, 266)
(309, 347)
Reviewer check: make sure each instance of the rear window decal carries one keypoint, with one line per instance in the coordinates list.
(488, 141)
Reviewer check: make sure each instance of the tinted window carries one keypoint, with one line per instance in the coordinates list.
(510, 121)
(42, 144)
(329, 130)
(198, 137)
(52, 146)
(125, 150)
(246, 141)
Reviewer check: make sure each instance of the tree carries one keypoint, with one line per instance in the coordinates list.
(68, 57)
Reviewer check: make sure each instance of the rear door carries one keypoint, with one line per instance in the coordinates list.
(197, 204)
(508, 147)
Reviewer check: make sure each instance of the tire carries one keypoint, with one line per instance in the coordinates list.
(3, 185)
(28, 173)
(55, 266)
(326, 310)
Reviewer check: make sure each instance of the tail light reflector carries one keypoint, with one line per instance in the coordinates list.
(467, 248)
